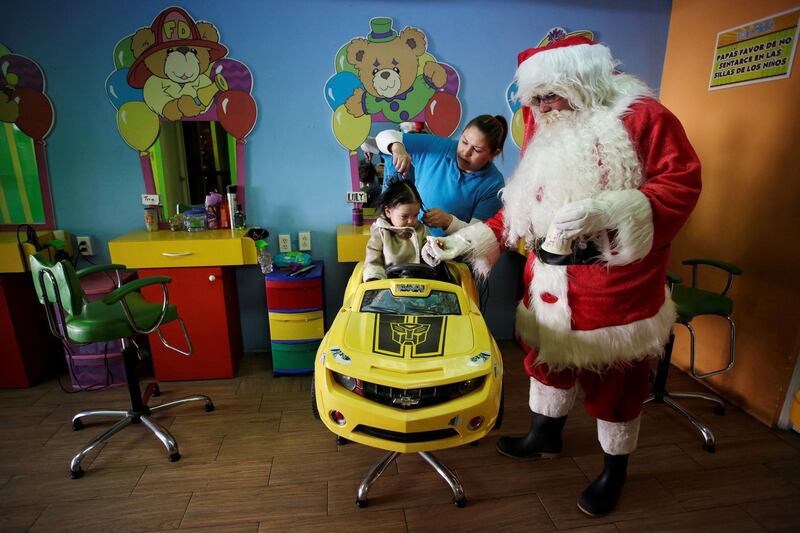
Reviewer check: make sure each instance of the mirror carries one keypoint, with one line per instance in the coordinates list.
(190, 160)
(185, 106)
(26, 118)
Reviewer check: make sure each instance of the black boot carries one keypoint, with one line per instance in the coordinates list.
(543, 439)
(601, 496)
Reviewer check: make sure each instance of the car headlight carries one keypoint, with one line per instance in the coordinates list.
(465, 387)
(348, 382)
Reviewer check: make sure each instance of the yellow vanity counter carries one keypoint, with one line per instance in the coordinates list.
(167, 249)
(11, 258)
(351, 242)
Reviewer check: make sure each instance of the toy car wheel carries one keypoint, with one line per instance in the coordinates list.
(499, 422)
(314, 409)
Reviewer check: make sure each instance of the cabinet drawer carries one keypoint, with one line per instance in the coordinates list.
(296, 326)
(178, 249)
(294, 295)
(293, 358)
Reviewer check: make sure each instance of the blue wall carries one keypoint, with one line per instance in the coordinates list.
(297, 174)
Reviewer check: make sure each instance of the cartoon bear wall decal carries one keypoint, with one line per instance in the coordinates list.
(388, 67)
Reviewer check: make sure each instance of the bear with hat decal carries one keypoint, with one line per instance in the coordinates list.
(606, 180)
(172, 58)
(387, 64)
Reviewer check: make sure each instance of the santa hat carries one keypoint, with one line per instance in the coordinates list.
(576, 67)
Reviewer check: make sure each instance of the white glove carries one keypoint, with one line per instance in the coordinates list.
(581, 218)
(440, 249)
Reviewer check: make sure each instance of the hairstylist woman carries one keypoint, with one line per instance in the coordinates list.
(456, 177)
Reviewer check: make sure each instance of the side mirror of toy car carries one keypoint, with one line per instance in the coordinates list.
(411, 270)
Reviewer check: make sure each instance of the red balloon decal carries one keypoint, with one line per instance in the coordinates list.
(237, 113)
(442, 114)
(35, 113)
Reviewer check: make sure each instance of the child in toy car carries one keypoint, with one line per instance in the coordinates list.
(397, 235)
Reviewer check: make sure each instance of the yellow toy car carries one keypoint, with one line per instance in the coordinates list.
(408, 364)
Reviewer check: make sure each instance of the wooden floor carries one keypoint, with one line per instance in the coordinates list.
(261, 462)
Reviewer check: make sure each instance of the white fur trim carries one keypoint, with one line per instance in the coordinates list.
(631, 215)
(551, 279)
(551, 401)
(561, 347)
(457, 224)
(483, 251)
(584, 74)
(618, 438)
(385, 138)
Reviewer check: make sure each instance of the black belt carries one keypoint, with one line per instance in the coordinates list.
(583, 253)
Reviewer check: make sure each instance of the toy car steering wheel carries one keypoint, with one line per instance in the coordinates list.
(411, 270)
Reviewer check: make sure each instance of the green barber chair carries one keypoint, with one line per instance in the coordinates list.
(122, 314)
(691, 302)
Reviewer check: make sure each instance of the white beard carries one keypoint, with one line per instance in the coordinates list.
(573, 155)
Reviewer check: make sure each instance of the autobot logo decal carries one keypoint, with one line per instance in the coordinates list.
(409, 336)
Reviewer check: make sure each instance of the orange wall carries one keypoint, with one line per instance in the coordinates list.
(748, 139)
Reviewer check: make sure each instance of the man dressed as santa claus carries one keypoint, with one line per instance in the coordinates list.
(606, 180)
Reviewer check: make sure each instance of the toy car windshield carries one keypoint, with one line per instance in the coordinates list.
(382, 301)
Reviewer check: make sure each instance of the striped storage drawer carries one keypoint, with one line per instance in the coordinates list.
(304, 326)
(293, 358)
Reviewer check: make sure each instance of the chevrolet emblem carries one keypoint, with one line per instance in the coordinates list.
(406, 400)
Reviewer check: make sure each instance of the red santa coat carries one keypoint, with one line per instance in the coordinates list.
(617, 310)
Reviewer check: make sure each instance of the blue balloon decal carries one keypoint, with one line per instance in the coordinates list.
(340, 87)
(118, 90)
(511, 97)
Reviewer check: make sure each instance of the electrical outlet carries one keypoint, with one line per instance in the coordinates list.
(284, 243)
(85, 244)
(304, 241)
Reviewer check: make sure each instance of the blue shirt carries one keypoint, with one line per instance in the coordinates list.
(465, 195)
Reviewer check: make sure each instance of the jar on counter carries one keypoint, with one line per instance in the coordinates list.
(195, 219)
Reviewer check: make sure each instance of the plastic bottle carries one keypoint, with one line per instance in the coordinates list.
(264, 259)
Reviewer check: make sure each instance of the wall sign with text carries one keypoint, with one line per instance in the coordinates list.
(758, 51)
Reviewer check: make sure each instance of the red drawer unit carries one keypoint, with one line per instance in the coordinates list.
(287, 293)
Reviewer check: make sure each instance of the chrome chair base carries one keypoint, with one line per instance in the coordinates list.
(661, 395)
(448, 475)
(138, 413)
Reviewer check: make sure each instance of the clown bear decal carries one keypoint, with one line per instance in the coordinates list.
(388, 67)
(390, 76)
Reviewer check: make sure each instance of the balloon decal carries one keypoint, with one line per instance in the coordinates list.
(22, 95)
(221, 91)
(138, 125)
(349, 130)
(237, 113)
(442, 114)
